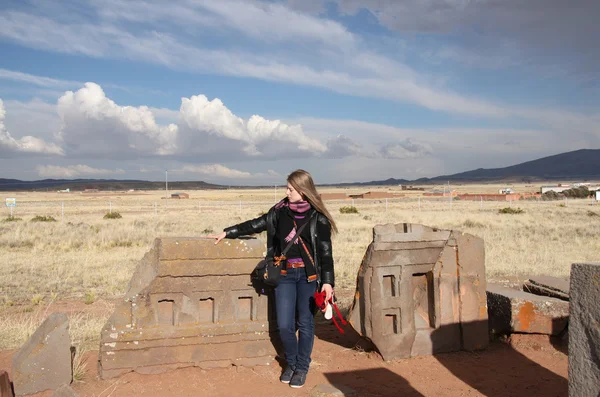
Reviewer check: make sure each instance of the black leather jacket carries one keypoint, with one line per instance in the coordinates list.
(320, 232)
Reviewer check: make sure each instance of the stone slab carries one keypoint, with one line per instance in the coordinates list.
(584, 331)
(190, 303)
(548, 286)
(64, 391)
(420, 291)
(5, 387)
(515, 311)
(172, 248)
(44, 362)
(472, 291)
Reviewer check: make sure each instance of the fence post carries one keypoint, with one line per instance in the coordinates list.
(353, 202)
(110, 207)
(480, 202)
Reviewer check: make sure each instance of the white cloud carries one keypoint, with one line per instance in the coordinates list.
(94, 124)
(550, 35)
(343, 146)
(406, 149)
(326, 54)
(26, 144)
(255, 19)
(36, 80)
(257, 134)
(215, 170)
(73, 171)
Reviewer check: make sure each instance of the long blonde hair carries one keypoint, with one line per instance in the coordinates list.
(303, 183)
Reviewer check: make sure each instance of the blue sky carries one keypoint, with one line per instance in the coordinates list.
(243, 92)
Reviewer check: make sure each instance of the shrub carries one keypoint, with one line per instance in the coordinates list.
(39, 218)
(551, 195)
(509, 210)
(577, 192)
(473, 224)
(79, 365)
(90, 297)
(112, 215)
(11, 218)
(592, 213)
(208, 230)
(350, 209)
(37, 299)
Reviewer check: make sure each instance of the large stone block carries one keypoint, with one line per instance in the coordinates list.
(421, 290)
(584, 331)
(518, 311)
(5, 387)
(44, 362)
(190, 303)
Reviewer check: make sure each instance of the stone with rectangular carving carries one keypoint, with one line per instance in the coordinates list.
(190, 303)
(421, 290)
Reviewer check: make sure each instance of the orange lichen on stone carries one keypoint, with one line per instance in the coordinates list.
(526, 315)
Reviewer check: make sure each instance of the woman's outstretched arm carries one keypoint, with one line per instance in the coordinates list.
(252, 226)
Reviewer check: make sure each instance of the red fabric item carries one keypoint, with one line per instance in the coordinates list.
(321, 304)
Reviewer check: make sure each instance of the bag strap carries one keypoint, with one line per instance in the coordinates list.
(294, 239)
(312, 261)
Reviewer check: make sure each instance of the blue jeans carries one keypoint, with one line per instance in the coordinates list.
(295, 294)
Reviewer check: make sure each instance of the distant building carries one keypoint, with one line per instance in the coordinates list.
(67, 190)
(506, 191)
(440, 193)
(499, 197)
(411, 187)
(333, 196)
(179, 195)
(557, 188)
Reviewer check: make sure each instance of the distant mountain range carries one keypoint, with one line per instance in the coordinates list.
(100, 184)
(581, 165)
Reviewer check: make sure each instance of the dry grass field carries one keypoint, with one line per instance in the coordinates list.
(89, 260)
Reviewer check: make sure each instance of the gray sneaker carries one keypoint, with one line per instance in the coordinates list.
(298, 379)
(287, 374)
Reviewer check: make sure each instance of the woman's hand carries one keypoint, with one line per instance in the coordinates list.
(219, 236)
(328, 294)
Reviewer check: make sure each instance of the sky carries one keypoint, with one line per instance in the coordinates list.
(242, 92)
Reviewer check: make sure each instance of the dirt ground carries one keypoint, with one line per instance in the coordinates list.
(523, 366)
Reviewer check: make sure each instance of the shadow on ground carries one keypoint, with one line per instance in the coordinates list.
(379, 382)
(498, 371)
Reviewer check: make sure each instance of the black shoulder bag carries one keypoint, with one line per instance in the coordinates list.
(268, 270)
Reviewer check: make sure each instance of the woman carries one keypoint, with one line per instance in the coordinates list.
(309, 264)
